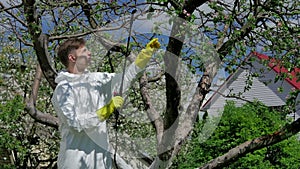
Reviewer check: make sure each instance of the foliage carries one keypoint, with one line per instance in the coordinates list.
(237, 125)
(10, 131)
(20, 135)
(30, 143)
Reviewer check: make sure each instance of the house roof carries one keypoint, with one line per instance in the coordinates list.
(273, 64)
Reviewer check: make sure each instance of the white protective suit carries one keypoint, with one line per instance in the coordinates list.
(84, 139)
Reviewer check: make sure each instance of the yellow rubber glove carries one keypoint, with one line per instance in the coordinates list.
(145, 55)
(115, 103)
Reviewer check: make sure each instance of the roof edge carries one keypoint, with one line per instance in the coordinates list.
(275, 66)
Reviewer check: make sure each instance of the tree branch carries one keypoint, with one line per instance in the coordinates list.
(13, 28)
(87, 9)
(194, 106)
(153, 115)
(234, 96)
(157, 77)
(40, 42)
(245, 30)
(40, 117)
(255, 144)
(11, 14)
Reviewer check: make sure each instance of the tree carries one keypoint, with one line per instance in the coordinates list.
(238, 125)
(236, 28)
(27, 142)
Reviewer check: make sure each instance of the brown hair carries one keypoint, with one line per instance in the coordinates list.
(67, 47)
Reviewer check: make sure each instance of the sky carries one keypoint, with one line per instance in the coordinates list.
(143, 25)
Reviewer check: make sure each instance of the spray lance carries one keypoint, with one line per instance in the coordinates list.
(116, 103)
(117, 112)
(141, 61)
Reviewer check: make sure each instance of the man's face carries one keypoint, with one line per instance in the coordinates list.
(83, 58)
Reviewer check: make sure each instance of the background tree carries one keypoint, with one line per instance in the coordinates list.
(27, 142)
(236, 28)
(238, 125)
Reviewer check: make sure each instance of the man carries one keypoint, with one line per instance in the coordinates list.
(84, 100)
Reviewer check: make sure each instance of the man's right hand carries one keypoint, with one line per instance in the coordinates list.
(145, 55)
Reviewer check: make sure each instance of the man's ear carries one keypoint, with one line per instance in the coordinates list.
(72, 58)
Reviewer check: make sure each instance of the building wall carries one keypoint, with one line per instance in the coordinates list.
(267, 77)
(263, 89)
(297, 113)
